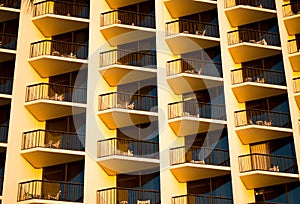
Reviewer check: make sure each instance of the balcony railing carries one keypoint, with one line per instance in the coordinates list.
(59, 48)
(127, 101)
(294, 46)
(127, 195)
(50, 190)
(3, 133)
(10, 3)
(266, 202)
(201, 199)
(6, 85)
(253, 36)
(267, 162)
(128, 147)
(269, 4)
(8, 41)
(250, 74)
(192, 66)
(61, 8)
(125, 57)
(192, 27)
(263, 118)
(291, 9)
(127, 18)
(297, 85)
(53, 139)
(200, 155)
(56, 92)
(197, 109)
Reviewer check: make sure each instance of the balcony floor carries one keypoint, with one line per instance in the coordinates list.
(51, 24)
(258, 133)
(42, 157)
(190, 42)
(43, 201)
(122, 74)
(249, 91)
(114, 4)
(292, 24)
(7, 13)
(243, 14)
(258, 179)
(118, 34)
(7, 55)
(118, 164)
(190, 171)
(295, 61)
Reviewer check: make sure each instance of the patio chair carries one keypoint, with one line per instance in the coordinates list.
(143, 201)
(54, 197)
(130, 105)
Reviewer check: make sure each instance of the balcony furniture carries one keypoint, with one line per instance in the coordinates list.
(143, 201)
(129, 105)
(51, 144)
(56, 97)
(54, 197)
(123, 202)
(198, 161)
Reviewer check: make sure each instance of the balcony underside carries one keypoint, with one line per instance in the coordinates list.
(292, 24)
(190, 43)
(114, 4)
(116, 164)
(7, 14)
(246, 51)
(47, 66)
(295, 61)
(122, 74)
(50, 24)
(184, 126)
(258, 133)
(118, 34)
(178, 8)
(184, 83)
(190, 172)
(117, 117)
(243, 14)
(249, 91)
(43, 201)
(7, 55)
(46, 109)
(42, 157)
(258, 179)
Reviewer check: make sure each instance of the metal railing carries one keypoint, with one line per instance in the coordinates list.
(291, 9)
(128, 147)
(10, 3)
(262, 117)
(253, 36)
(201, 199)
(53, 139)
(193, 66)
(8, 41)
(127, 195)
(250, 74)
(192, 27)
(61, 8)
(6, 84)
(294, 46)
(199, 155)
(127, 101)
(127, 18)
(297, 85)
(268, 4)
(59, 48)
(196, 109)
(55, 92)
(267, 162)
(3, 133)
(50, 190)
(125, 57)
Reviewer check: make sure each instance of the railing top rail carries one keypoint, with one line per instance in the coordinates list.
(196, 60)
(260, 69)
(58, 182)
(199, 147)
(64, 2)
(132, 189)
(296, 78)
(252, 30)
(291, 3)
(293, 40)
(269, 155)
(57, 41)
(56, 85)
(195, 102)
(53, 131)
(128, 51)
(123, 11)
(204, 196)
(8, 34)
(7, 78)
(269, 111)
(130, 94)
(129, 140)
(191, 21)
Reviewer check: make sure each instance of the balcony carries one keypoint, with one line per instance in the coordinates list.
(291, 16)
(8, 46)
(6, 85)
(242, 12)
(191, 36)
(127, 196)
(43, 148)
(260, 170)
(247, 44)
(54, 17)
(120, 27)
(9, 9)
(48, 101)
(39, 191)
(118, 110)
(118, 156)
(294, 54)
(188, 75)
(250, 83)
(194, 163)
(114, 4)
(192, 117)
(50, 57)
(178, 8)
(297, 90)
(201, 199)
(254, 125)
(123, 66)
